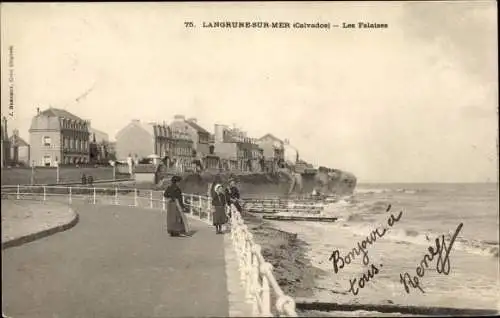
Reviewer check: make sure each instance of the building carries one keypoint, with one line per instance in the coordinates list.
(112, 150)
(5, 143)
(100, 136)
(212, 160)
(199, 135)
(141, 140)
(57, 135)
(272, 147)
(236, 150)
(19, 149)
(99, 146)
(181, 149)
(273, 151)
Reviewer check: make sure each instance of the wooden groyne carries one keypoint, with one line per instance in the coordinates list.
(299, 218)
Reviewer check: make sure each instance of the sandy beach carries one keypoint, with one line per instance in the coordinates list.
(287, 254)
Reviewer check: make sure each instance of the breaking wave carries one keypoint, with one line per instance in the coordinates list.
(362, 218)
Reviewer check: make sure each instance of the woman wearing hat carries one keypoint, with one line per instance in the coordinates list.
(219, 202)
(176, 220)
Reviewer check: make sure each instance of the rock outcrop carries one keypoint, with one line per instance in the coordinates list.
(326, 181)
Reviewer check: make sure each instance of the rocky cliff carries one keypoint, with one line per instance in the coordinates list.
(325, 181)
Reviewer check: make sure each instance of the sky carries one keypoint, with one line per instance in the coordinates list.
(415, 102)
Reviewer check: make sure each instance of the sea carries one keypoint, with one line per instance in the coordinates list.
(468, 277)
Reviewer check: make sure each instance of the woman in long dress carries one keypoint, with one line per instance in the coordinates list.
(219, 202)
(176, 220)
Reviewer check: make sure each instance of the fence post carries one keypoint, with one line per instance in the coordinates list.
(70, 195)
(265, 270)
(135, 197)
(151, 199)
(17, 192)
(116, 196)
(94, 195)
(200, 205)
(44, 193)
(191, 204)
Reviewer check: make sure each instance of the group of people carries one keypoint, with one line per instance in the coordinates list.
(222, 196)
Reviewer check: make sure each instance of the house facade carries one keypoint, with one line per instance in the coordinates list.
(19, 149)
(181, 149)
(199, 135)
(140, 140)
(273, 151)
(237, 151)
(57, 135)
(273, 147)
(137, 139)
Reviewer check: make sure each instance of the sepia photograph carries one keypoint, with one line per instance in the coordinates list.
(249, 159)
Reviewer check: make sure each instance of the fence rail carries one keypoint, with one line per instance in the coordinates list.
(261, 287)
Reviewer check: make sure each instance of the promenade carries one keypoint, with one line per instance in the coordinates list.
(119, 262)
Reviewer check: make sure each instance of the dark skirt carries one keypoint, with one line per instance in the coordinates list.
(174, 219)
(220, 215)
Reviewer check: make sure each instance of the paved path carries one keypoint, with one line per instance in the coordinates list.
(117, 262)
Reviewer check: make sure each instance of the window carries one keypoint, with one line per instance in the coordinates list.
(46, 141)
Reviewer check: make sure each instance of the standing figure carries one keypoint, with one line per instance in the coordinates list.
(176, 220)
(219, 204)
(234, 195)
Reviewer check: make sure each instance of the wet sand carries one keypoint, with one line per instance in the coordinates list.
(287, 253)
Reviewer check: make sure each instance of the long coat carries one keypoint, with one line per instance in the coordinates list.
(175, 223)
(219, 202)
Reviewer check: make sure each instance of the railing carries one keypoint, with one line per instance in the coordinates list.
(261, 287)
(198, 205)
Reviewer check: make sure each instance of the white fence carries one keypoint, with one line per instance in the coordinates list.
(261, 287)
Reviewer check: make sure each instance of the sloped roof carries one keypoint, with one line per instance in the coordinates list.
(272, 136)
(148, 127)
(18, 141)
(61, 113)
(92, 129)
(197, 127)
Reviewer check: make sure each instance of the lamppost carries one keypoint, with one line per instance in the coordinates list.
(57, 170)
(32, 172)
(113, 163)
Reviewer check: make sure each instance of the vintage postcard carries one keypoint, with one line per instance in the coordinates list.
(225, 159)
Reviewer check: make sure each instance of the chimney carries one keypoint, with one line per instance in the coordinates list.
(38, 110)
(179, 118)
(193, 120)
(15, 132)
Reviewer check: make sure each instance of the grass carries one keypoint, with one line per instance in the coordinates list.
(43, 175)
